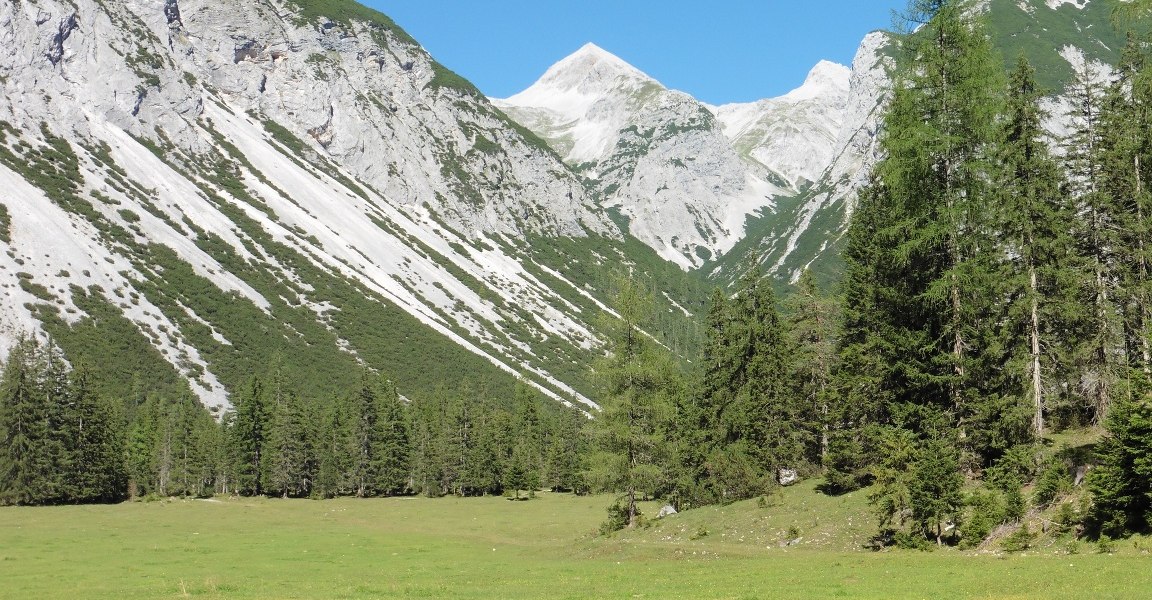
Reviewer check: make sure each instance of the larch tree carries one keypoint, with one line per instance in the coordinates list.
(630, 434)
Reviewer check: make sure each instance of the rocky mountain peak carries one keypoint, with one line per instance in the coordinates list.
(826, 79)
(590, 70)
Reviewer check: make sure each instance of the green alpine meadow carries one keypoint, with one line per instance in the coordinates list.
(289, 309)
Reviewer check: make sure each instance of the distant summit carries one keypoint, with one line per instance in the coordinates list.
(686, 175)
(825, 79)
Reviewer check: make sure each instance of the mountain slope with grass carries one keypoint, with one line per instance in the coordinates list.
(194, 190)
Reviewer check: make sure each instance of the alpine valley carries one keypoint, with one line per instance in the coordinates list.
(193, 190)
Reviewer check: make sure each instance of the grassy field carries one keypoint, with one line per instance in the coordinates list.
(494, 548)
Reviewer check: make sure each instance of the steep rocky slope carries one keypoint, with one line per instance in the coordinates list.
(193, 191)
(221, 185)
(687, 176)
(658, 156)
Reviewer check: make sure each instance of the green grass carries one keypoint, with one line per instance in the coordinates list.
(494, 548)
(1016, 32)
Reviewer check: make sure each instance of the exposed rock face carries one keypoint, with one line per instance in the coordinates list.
(370, 98)
(342, 140)
(658, 156)
(686, 175)
(794, 135)
(804, 232)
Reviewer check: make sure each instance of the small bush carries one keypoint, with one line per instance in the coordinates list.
(1053, 482)
(911, 541)
(1019, 541)
(617, 518)
(1014, 504)
(1066, 518)
(985, 511)
(1017, 465)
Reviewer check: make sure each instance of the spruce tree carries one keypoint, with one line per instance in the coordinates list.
(920, 300)
(143, 438)
(290, 448)
(1121, 483)
(393, 445)
(427, 416)
(748, 422)
(764, 415)
(867, 378)
(248, 437)
(58, 447)
(1098, 371)
(187, 447)
(1126, 175)
(333, 450)
(365, 438)
(1038, 293)
(934, 490)
(97, 473)
(24, 430)
(564, 452)
(486, 462)
(811, 361)
(527, 452)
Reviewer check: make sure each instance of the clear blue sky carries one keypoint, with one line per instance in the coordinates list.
(717, 50)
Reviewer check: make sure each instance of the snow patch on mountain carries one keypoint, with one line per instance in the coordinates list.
(1055, 4)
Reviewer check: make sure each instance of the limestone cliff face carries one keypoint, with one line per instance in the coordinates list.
(687, 175)
(336, 137)
(658, 156)
(361, 94)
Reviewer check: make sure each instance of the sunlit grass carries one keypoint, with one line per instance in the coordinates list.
(494, 548)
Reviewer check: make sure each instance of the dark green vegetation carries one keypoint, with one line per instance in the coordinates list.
(994, 310)
(990, 295)
(62, 443)
(678, 299)
(994, 297)
(766, 239)
(289, 330)
(1016, 28)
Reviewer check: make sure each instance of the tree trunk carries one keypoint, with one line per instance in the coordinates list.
(1037, 381)
(1141, 285)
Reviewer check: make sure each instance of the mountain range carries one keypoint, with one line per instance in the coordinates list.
(195, 191)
